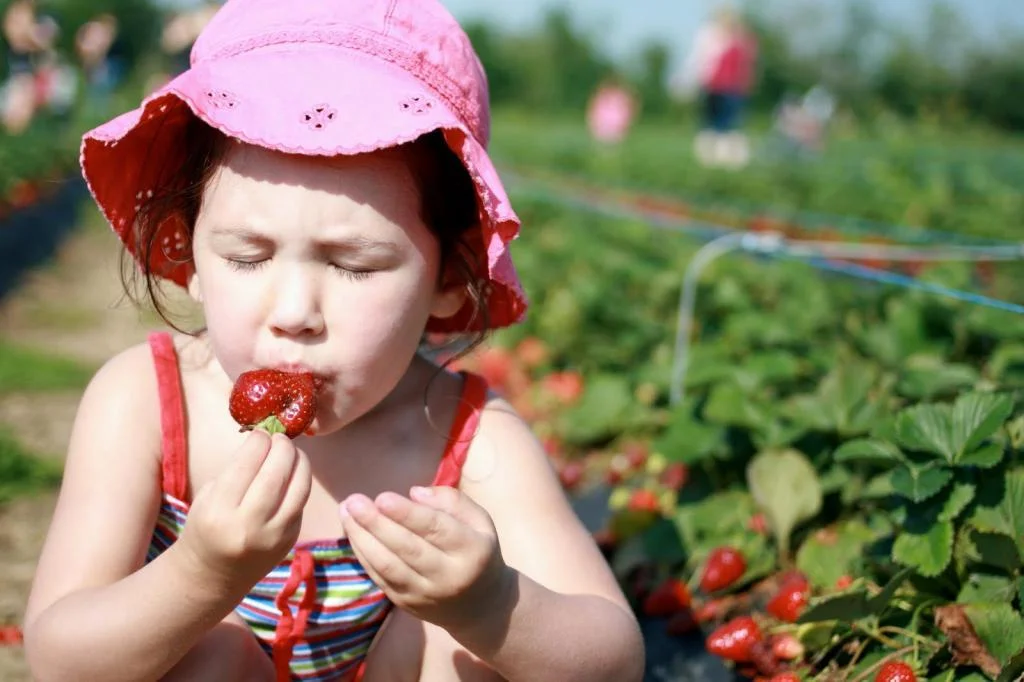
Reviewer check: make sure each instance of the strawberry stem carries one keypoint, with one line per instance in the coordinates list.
(271, 425)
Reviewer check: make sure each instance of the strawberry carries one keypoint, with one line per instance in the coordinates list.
(667, 598)
(843, 582)
(674, 476)
(758, 524)
(787, 647)
(532, 352)
(10, 635)
(566, 386)
(785, 677)
(724, 566)
(643, 500)
(789, 602)
(275, 401)
(708, 611)
(735, 639)
(570, 474)
(895, 671)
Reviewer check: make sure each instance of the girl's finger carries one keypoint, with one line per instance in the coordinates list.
(384, 567)
(435, 526)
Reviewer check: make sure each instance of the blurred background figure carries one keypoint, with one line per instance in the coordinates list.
(180, 31)
(611, 111)
(27, 39)
(801, 123)
(99, 51)
(720, 68)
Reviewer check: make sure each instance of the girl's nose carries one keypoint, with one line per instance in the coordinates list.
(295, 304)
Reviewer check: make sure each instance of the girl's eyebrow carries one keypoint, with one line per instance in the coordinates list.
(349, 243)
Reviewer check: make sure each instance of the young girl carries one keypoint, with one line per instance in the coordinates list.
(318, 181)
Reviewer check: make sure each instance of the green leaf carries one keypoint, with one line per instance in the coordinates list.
(934, 378)
(880, 602)
(828, 555)
(951, 431)
(688, 440)
(919, 482)
(604, 409)
(1013, 671)
(985, 457)
(271, 425)
(929, 553)
(1007, 515)
(984, 588)
(846, 606)
(996, 550)
(730, 406)
(785, 487)
(868, 450)
(960, 495)
(1000, 628)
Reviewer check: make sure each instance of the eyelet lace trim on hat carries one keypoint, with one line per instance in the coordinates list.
(319, 116)
(465, 105)
(416, 104)
(222, 99)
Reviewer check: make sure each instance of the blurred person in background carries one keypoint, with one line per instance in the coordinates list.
(721, 68)
(179, 33)
(611, 111)
(99, 53)
(26, 39)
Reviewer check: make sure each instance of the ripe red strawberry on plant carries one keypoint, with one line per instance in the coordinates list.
(789, 602)
(275, 401)
(734, 640)
(667, 598)
(895, 671)
(724, 567)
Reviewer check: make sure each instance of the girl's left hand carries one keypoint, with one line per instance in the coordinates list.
(435, 554)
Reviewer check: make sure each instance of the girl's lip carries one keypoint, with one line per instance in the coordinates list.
(318, 379)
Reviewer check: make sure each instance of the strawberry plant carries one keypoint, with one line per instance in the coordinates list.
(857, 447)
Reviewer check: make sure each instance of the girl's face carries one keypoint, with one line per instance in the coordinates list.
(325, 265)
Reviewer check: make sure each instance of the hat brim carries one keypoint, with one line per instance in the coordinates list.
(360, 104)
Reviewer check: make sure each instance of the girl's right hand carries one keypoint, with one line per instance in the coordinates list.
(242, 523)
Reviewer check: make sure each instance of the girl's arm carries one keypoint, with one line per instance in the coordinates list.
(95, 612)
(551, 610)
(566, 618)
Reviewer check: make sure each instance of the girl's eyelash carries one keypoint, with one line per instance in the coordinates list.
(251, 266)
(352, 274)
(246, 265)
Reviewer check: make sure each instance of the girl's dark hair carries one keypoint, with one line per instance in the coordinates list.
(449, 209)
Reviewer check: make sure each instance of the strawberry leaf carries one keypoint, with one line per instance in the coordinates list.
(825, 557)
(928, 552)
(868, 450)
(271, 425)
(999, 627)
(786, 488)
(1005, 516)
(920, 482)
(952, 431)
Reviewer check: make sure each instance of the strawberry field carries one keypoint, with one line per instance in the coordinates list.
(840, 491)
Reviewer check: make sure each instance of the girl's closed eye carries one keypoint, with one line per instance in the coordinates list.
(351, 272)
(242, 265)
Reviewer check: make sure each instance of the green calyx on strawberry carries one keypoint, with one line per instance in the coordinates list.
(275, 401)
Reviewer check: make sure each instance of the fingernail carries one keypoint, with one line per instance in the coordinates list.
(420, 491)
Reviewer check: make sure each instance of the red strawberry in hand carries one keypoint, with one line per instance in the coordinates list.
(275, 401)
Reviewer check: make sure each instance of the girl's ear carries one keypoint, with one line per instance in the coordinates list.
(194, 289)
(448, 300)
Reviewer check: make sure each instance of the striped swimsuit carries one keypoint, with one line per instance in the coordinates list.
(317, 611)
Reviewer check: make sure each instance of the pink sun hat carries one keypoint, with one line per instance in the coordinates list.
(317, 77)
